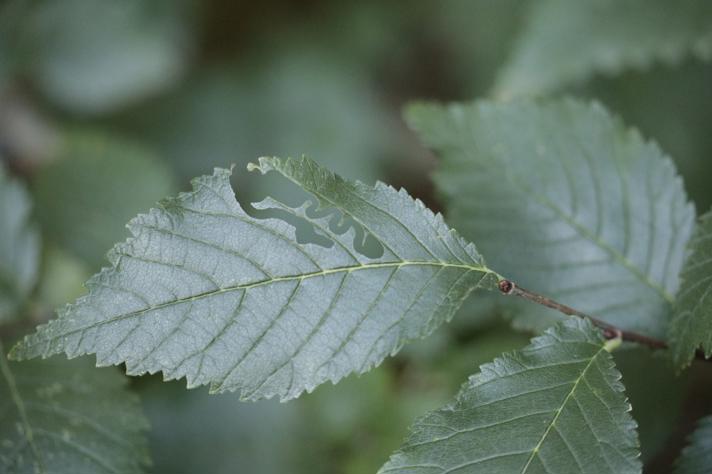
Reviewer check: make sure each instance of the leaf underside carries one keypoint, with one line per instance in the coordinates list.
(696, 458)
(556, 406)
(207, 292)
(19, 246)
(691, 326)
(628, 34)
(565, 200)
(59, 417)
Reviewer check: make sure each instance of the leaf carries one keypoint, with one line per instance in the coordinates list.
(556, 406)
(19, 246)
(61, 417)
(193, 432)
(691, 326)
(565, 200)
(676, 117)
(94, 57)
(97, 182)
(566, 42)
(696, 458)
(204, 290)
(237, 110)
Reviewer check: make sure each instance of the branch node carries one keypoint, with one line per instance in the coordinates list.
(612, 333)
(506, 287)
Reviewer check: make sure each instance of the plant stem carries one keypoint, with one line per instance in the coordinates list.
(609, 331)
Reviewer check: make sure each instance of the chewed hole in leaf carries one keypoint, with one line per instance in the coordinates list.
(314, 222)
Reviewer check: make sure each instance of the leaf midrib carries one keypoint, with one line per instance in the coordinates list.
(583, 231)
(536, 449)
(323, 272)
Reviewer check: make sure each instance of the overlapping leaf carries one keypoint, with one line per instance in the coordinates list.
(58, 417)
(19, 246)
(691, 327)
(204, 290)
(696, 458)
(564, 199)
(556, 406)
(566, 42)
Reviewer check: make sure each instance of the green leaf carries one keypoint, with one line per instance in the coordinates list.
(691, 326)
(232, 112)
(60, 417)
(97, 183)
(564, 199)
(206, 291)
(556, 406)
(194, 432)
(696, 458)
(566, 42)
(19, 247)
(94, 57)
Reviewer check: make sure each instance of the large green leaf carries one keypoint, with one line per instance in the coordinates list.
(19, 246)
(691, 326)
(97, 182)
(556, 406)
(564, 199)
(696, 458)
(58, 417)
(565, 42)
(206, 291)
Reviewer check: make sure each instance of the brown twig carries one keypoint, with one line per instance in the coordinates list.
(609, 331)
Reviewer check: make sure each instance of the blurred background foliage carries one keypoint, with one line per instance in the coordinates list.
(108, 106)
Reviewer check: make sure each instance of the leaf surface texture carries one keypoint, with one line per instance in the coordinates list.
(566, 201)
(205, 291)
(691, 327)
(59, 417)
(556, 406)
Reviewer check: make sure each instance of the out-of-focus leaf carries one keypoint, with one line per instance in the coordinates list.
(205, 291)
(19, 246)
(95, 56)
(480, 34)
(62, 278)
(292, 104)
(696, 458)
(193, 432)
(556, 406)
(59, 417)
(356, 423)
(564, 199)
(96, 184)
(677, 117)
(565, 42)
(691, 327)
(656, 394)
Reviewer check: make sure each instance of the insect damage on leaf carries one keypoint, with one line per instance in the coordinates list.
(205, 291)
